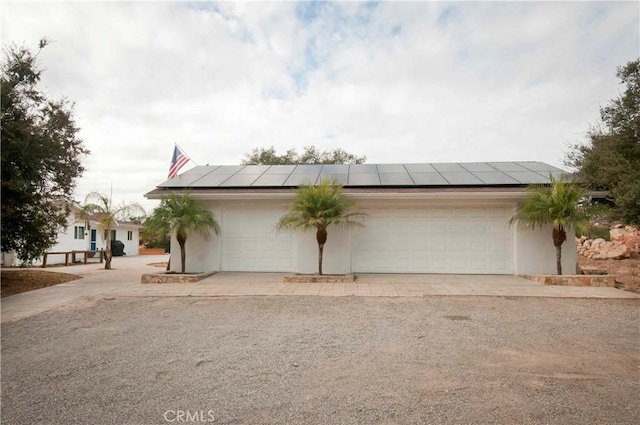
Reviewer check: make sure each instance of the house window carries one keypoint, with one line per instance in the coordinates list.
(113, 234)
(129, 235)
(78, 232)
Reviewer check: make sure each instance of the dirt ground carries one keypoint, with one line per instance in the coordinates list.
(627, 270)
(15, 281)
(326, 360)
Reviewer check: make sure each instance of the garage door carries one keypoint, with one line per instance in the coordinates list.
(250, 243)
(434, 240)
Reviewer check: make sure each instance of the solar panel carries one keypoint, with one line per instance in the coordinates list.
(449, 167)
(298, 179)
(182, 180)
(399, 179)
(240, 180)
(271, 180)
(364, 180)
(477, 166)
(308, 169)
(555, 173)
(200, 170)
(528, 177)
(507, 166)
(363, 169)
(443, 174)
(461, 178)
(335, 169)
(254, 169)
(537, 166)
(227, 169)
(280, 169)
(341, 178)
(420, 168)
(428, 179)
(495, 177)
(391, 168)
(210, 180)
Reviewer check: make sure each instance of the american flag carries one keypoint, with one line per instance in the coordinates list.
(177, 162)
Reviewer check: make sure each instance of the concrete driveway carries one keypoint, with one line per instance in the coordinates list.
(124, 281)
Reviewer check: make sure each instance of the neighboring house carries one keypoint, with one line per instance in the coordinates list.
(421, 218)
(82, 234)
(126, 232)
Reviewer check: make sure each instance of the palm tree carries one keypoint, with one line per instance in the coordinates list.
(559, 205)
(318, 207)
(107, 215)
(181, 215)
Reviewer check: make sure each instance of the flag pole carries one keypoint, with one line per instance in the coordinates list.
(185, 154)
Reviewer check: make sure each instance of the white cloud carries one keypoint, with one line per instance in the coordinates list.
(398, 82)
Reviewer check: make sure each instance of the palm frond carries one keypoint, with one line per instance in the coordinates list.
(182, 215)
(319, 207)
(559, 205)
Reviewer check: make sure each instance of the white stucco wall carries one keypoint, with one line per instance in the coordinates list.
(535, 253)
(131, 247)
(336, 256)
(203, 255)
(66, 241)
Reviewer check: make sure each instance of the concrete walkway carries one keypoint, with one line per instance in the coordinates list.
(124, 281)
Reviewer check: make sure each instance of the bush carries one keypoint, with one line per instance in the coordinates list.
(596, 232)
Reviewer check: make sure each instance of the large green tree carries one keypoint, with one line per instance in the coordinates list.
(310, 155)
(318, 207)
(558, 205)
(610, 160)
(101, 208)
(180, 215)
(41, 154)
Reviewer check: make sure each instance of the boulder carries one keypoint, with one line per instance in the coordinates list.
(616, 233)
(597, 242)
(613, 251)
(633, 242)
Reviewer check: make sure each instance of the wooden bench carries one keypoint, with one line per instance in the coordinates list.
(73, 255)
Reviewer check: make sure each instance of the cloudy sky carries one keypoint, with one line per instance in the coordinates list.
(397, 82)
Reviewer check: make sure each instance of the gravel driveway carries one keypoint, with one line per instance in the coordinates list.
(325, 360)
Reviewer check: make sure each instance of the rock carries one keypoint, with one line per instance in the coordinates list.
(616, 233)
(633, 242)
(617, 226)
(614, 252)
(597, 242)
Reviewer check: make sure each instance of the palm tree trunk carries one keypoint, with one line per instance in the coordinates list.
(321, 237)
(559, 236)
(107, 254)
(559, 259)
(183, 253)
(320, 253)
(169, 263)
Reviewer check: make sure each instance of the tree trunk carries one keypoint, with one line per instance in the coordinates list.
(183, 253)
(320, 251)
(107, 254)
(169, 263)
(559, 236)
(321, 237)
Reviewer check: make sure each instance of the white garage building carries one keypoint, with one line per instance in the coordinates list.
(421, 218)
